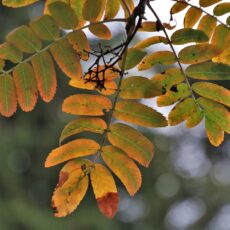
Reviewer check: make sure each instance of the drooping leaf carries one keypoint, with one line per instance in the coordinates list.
(188, 35)
(77, 6)
(151, 41)
(221, 37)
(45, 28)
(92, 9)
(178, 7)
(134, 56)
(82, 124)
(26, 87)
(45, 75)
(71, 150)
(63, 14)
(101, 31)
(71, 188)
(212, 91)
(67, 58)
(182, 111)
(9, 52)
(214, 132)
(221, 9)
(191, 17)
(198, 53)
(165, 81)
(176, 93)
(216, 112)
(8, 101)
(132, 142)
(80, 43)
(195, 119)
(124, 168)
(206, 3)
(18, 3)
(160, 57)
(138, 87)
(24, 39)
(86, 104)
(105, 190)
(112, 9)
(138, 114)
(148, 26)
(207, 24)
(209, 71)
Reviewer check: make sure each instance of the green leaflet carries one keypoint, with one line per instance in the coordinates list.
(9, 52)
(134, 56)
(24, 39)
(209, 71)
(133, 143)
(216, 112)
(45, 28)
(188, 35)
(212, 91)
(139, 114)
(63, 14)
(198, 53)
(182, 111)
(221, 9)
(139, 87)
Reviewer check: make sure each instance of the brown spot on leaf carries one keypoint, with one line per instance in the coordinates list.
(63, 177)
(108, 204)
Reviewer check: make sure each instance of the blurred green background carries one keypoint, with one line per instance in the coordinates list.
(187, 186)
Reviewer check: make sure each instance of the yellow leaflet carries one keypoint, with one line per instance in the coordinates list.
(191, 17)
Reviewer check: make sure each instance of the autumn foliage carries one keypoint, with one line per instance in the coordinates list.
(191, 81)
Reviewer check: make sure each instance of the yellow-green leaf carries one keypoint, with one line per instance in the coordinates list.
(221, 37)
(63, 14)
(138, 87)
(26, 87)
(207, 24)
(105, 190)
(221, 9)
(150, 41)
(212, 91)
(182, 111)
(216, 112)
(176, 93)
(71, 188)
(160, 57)
(45, 28)
(178, 7)
(67, 59)
(206, 3)
(24, 39)
(198, 53)
(134, 56)
(191, 17)
(77, 6)
(188, 35)
(92, 9)
(83, 124)
(18, 3)
(195, 119)
(71, 150)
(9, 52)
(8, 101)
(124, 168)
(112, 9)
(45, 75)
(101, 31)
(86, 104)
(214, 132)
(132, 142)
(209, 71)
(224, 57)
(80, 43)
(139, 114)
